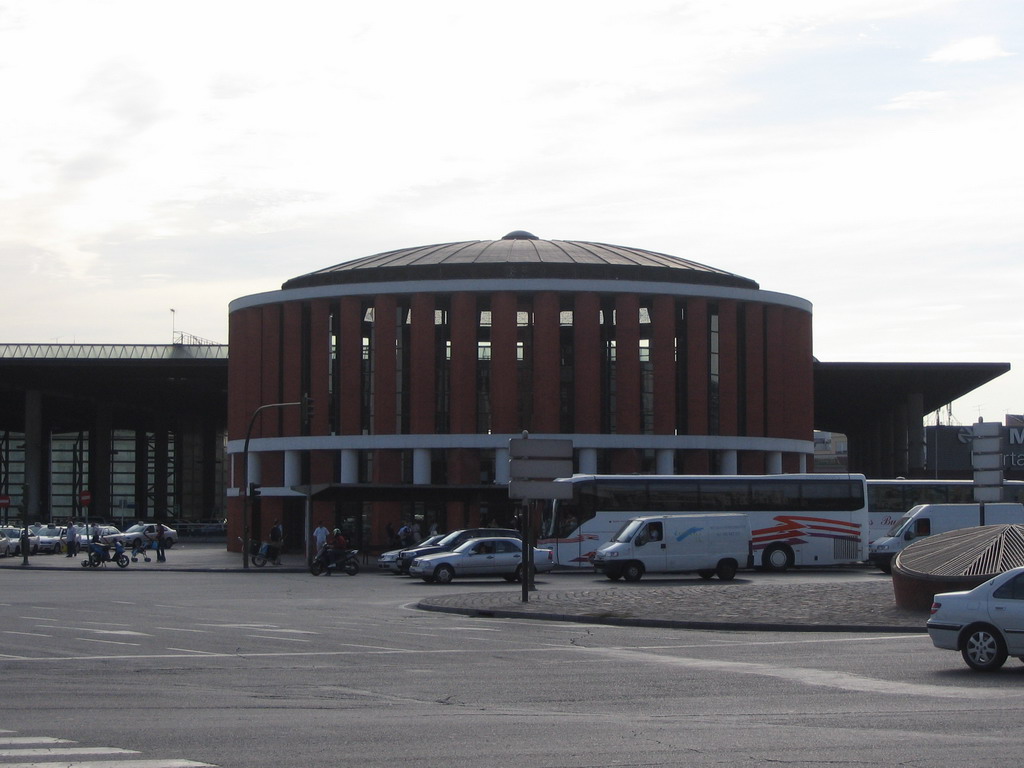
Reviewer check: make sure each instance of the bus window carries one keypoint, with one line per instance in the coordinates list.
(617, 495)
(730, 495)
(887, 498)
(832, 496)
(961, 494)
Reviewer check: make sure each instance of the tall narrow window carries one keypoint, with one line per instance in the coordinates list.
(714, 367)
(646, 373)
(566, 370)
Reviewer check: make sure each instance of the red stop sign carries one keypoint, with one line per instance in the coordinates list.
(5, 501)
(84, 497)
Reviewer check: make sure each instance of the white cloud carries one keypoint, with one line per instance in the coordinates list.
(972, 49)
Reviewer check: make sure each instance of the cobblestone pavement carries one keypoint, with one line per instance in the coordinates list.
(697, 605)
(685, 603)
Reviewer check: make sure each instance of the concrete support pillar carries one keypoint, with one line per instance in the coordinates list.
(421, 466)
(501, 475)
(773, 463)
(34, 443)
(253, 471)
(803, 463)
(729, 462)
(665, 461)
(917, 454)
(349, 466)
(292, 468)
(588, 461)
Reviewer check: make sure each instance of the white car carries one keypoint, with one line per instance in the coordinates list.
(986, 624)
(388, 561)
(491, 556)
(4, 551)
(142, 532)
(14, 540)
(49, 539)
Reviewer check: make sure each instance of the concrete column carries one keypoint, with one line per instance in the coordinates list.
(254, 468)
(803, 462)
(665, 461)
(729, 462)
(915, 434)
(421, 466)
(588, 461)
(32, 499)
(349, 466)
(773, 462)
(292, 468)
(501, 476)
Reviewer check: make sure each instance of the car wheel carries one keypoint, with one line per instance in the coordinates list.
(777, 558)
(706, 575)
(632, 571)
(726, 570)
(444, 574)
(983, 649)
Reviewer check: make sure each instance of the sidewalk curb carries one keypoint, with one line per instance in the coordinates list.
(725, 626)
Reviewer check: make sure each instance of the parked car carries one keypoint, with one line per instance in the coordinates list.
(142, 532)
(985, 624)
(448, 543)
(491, 556)
(4, 542)
(49, 539)
(85, 533)
(14, 540)
(388, 561)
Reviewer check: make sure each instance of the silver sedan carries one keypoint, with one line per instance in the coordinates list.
(492, 556)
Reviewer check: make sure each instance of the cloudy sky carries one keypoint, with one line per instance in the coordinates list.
(862, 154)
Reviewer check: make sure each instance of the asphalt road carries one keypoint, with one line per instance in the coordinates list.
(278, 669)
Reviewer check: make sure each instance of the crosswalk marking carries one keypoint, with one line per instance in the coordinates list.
(59, 751)
(55, 752)
(113, 764)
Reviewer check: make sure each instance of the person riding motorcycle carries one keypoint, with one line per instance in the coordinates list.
(335, 548)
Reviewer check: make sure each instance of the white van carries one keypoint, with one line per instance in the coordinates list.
(929, 519)
(708, 544)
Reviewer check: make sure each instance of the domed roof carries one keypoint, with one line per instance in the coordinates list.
(520, 254)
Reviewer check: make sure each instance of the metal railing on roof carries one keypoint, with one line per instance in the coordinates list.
(113, 352)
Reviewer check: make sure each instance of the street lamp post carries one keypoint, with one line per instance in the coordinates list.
(306, 403)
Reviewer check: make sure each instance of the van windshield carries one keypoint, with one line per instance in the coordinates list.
(899, 526)
(626, 532)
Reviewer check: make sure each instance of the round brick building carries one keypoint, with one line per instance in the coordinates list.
(422, 363)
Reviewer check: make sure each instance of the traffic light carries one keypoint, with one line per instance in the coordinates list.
(307, 409)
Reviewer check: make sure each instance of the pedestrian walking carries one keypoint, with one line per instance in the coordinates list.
(276, 542)
(161, 531)
(320, 534)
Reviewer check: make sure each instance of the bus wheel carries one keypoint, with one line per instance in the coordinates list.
(778, 558)
(726, 570)
(706, 575)
(632, 571)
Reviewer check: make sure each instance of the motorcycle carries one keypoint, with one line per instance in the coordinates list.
(99, 554)
(330, 559)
